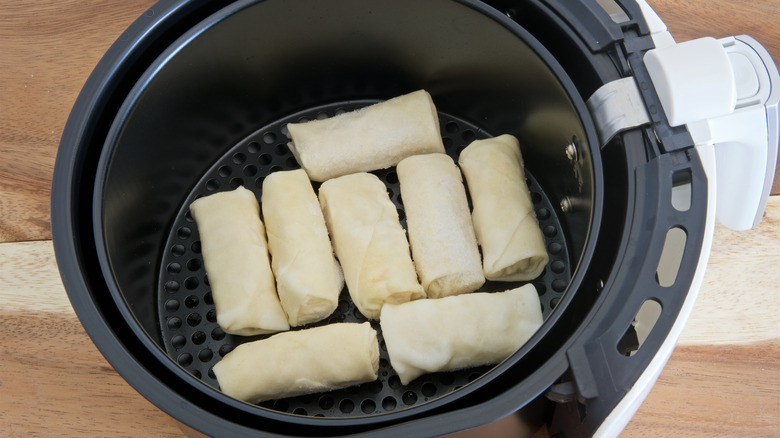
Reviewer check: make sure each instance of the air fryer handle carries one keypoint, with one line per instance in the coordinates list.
(726, 93)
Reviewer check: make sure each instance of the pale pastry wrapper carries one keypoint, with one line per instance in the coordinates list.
(441, 235)
(513, 247)
(300, 362)
(459, 332)
(370, 138)
(235, 255)
(308, 277)
(369, 242)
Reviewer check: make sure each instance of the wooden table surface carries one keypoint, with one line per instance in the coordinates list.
(722, 380)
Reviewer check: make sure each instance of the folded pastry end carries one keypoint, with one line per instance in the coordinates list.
(455, 284)
(525, 269)
(313, 309)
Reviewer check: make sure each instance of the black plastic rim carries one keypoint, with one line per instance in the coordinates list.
(122, 341)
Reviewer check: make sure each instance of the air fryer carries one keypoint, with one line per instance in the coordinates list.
(194, 98)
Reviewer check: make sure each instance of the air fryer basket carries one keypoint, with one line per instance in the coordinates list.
(207, 113)
(186, 312)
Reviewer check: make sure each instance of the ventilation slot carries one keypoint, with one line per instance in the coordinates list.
(671, 257)
(681, 190)
(616, 13)
(640, 328)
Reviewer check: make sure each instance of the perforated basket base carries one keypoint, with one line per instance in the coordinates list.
(186, 310)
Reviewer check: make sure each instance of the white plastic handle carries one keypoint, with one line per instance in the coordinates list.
(722, 90)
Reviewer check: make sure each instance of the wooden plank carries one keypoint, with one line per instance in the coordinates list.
(739, 300)
(30, 281)
(47, 359)
(47, 50)
(705, 391)
(54, 382)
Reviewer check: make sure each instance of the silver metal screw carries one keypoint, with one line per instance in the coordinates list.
(566, 204)
(570, 204)
(572, 152)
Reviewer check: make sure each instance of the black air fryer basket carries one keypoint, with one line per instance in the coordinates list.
(194, 98)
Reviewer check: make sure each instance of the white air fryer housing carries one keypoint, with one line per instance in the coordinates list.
(721, 92)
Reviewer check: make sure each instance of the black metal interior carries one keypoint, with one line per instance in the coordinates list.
(254, 66)
(256, 62)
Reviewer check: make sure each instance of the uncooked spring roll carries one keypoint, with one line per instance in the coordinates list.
(513, 247)
(308, 277)
(235, 256)
(460, 331)
(369, 242)
(438, 220)
(300, 362)
(370, 138)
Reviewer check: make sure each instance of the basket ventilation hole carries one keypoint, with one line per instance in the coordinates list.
(389, 403)
(346, 406)
(368, 406)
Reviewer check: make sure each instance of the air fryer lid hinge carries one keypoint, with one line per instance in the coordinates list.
(616, 107)
(671, 138)
(632, 102)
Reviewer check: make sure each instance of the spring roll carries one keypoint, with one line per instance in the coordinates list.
(369, 242)
(513, 247)
(300, 362)
(460, 331)
(438, 220)
(308, 277)
(370, 138)
(235, 256)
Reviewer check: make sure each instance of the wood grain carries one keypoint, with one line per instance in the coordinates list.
(47, 50)
(706, 389)
(703, 392)
(54, 382)
(739, 301)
